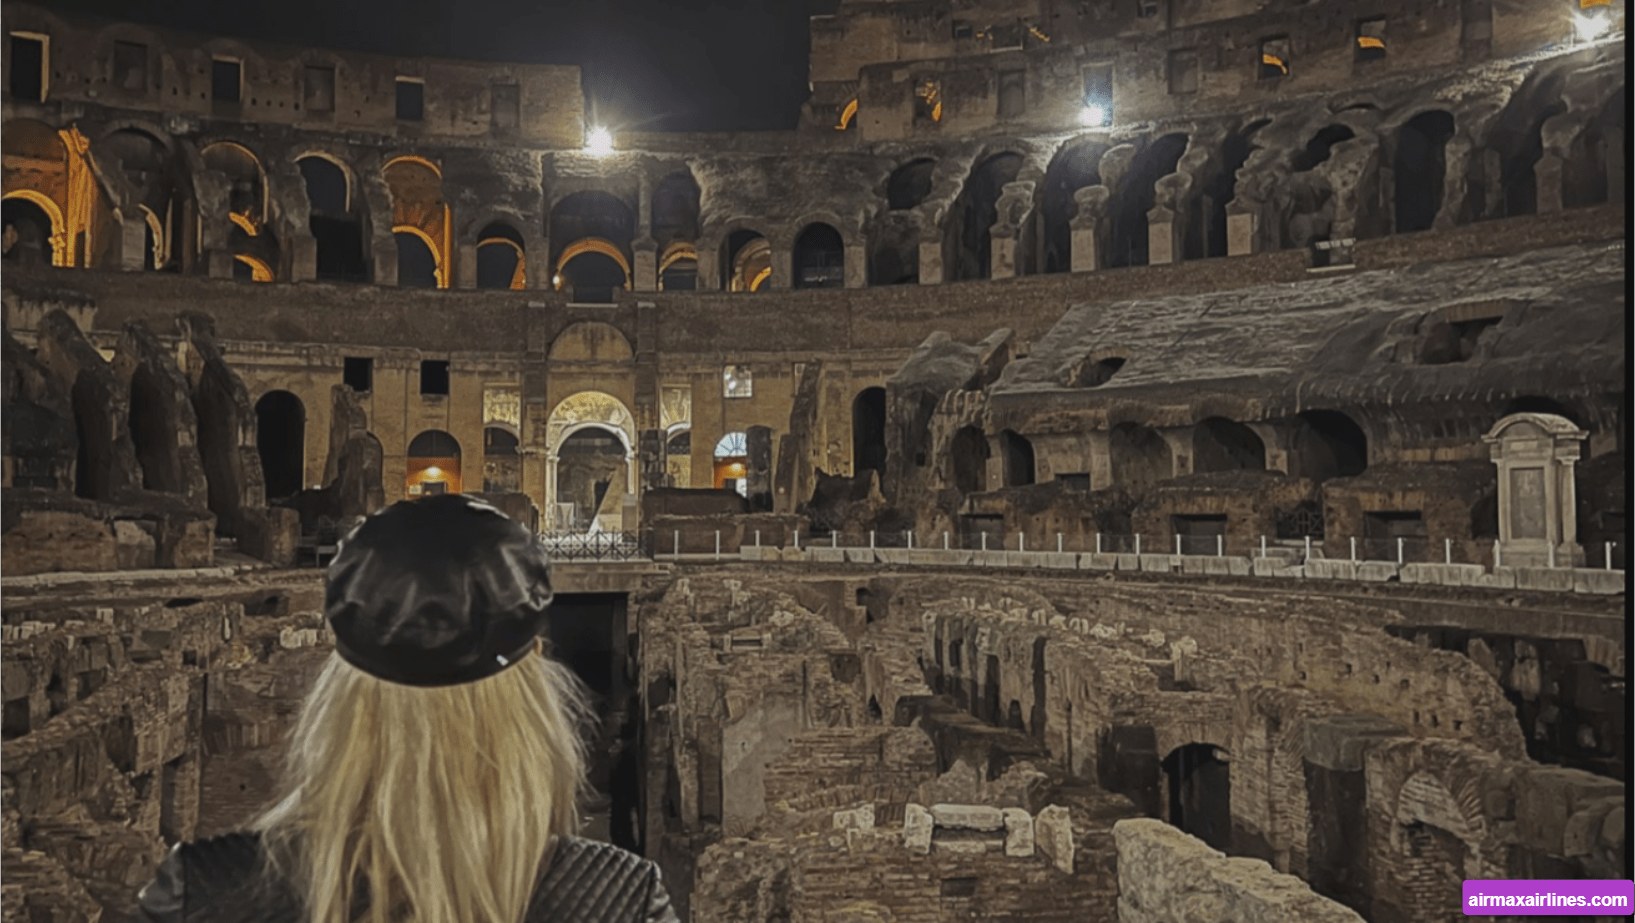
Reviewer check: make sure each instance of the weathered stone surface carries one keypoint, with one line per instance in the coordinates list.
(918, 825)
(1053, 832)
(1018, 832)
(859, 818)
(968, 816)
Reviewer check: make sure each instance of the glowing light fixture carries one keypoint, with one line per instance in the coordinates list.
(1589, 26)
(599, 141)
(1093, 116)
(434, 472)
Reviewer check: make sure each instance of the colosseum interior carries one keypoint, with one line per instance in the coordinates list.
(1149, 461)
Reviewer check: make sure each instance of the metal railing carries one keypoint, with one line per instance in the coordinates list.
(597, 546)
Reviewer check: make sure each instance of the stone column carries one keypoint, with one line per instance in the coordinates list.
(1163, 244)
(1243, 222)
(465, 261)
(1179, 439)
(646, 265)
(1101, 460)
(758, 468)
(1090, 228)
(1001, 252)
(133, 240)
(1538, 503)
(783, 267)
(1277, 450)
(1547, 176)
(931, 260)
(857, 266)
(303, 258)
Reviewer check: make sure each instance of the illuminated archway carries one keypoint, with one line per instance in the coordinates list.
(418, 207)
(584, 410)
(747, 256)
(51, 234)
(249, 196)
(732, 463)
(678, 268)
(502, 258)
(434, 465)
(592, 269)
(417, 268)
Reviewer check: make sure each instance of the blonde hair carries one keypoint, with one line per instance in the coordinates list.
(438, 805)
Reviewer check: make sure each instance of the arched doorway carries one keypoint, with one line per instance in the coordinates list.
(335, 225)
(968, 456)
(746, 261)
(416, 261)
(1219, 444)
(591, 474)
(611, 418)
(869, 431)
(1199, 792)
(501, 258)
(280, 439)
(434, 465)
(732, 463)
(592, 271)
(1420, 168)
(29, 232)
(1139, 457)
(1328, 444)
(1016, 451)
(968, 249)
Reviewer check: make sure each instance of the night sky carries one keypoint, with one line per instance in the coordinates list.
(715, 65)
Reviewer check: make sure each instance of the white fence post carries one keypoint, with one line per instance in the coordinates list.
(1447, 551)
(1263, 546)
(1138, 543)
(797, 539)
(1399, 549)
(1308, 547)
(1059, 544)
(1353, 549)
(910, 539)
(1098, 543)
(757, 538)
(1220, 546)
(871, 539)
(1608, 547)
(718, 544)
(1177, 544)
(1498, 560)
(1021, 541)
(678, 543)
(984, 541)
(945, 541)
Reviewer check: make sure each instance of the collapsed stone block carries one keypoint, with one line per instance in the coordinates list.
(1053, 831)
(1018, 832)
(918, 825)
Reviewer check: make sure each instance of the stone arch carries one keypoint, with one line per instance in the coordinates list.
(417, 262)
(910, 184)
(1076, 165)
(1221, 189)
(1600, 157)
(334, 217)
(591, 341)
(1438, 840)
(434, 464)
(746, 260)
(819, 257)
(1198, 792)
(869, 431)
(591, 214)
(502, 256)
(52, 168)
(1327, 444)
(580, 411)
(1219, 444)
(1137, 194)
(248, 197)
(1016, 454)
(1420, 169)
(33, 225)
(674, 211)
(968, 458)
(280, 438)
(967, 237)
(419, 208)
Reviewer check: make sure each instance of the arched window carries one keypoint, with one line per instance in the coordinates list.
(820, 258)
(416, 260)
(1219, 444)
(746, 260)
(1421, 165)
(1135, 197)
(732, 462)
(335, 226)
(1328, 444)
(968, 251)
(501, 258)
(869, 431)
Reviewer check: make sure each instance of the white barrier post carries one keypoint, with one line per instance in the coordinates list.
(1353, 549)
(1447, 551)
(1308, 547)
(1552, 554)
(1021, 541)
(797, 539)
(678, 543)
(945, 541)
(871, 539)
(984, 541)
(1399, 549)
(910, 539)
(1263, 546)
(1098, 543)
(1138, 543)
(1497, 558)
(718, 544)
(1608, 547)
(1220, 546)
(834, 539)
(1177, 544)
(1059, 543)
(757, 538)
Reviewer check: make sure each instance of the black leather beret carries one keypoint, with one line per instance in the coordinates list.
(437, 591)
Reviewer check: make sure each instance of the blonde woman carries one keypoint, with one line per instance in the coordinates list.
(433, 772)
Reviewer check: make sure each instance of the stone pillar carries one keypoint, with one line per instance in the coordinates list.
(652, 459)
(646, 265)
(857, 266)
(1101, 460)
(384, 253)
(1243, 221)
(1090, 228)
(133, 240)
(1538, 502)
(1277, 450)
(1163, 242)
(219, 264)
(931, 261)
(1179, 440)
(303, 258)
(758, 468)
(1002, 252)
(465, 264)
(1547, 179)
(783, 268)
(709, 266)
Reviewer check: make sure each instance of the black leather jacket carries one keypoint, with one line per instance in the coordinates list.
(222, 880)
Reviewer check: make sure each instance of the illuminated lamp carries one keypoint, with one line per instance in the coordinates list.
(599, 142)
(1588, 27)
(1093, 116)
(434, 472)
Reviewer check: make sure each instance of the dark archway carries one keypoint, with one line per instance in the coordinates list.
(1219, 444)
(1596, 164)
(968, 453)
(416, 263)
(819, 257)
(280, 439)
(501, 258)
(334, 223)
(1533, 403)
(969, 242)
(1135, 198)
(1138, 456)
(1327, 444)
(909, 184)
(592, 277)
(869, 431)
(153, 435)
(1521, 152)
(1222, 188)
(591, 214)
(1074, 167)
(746, 261)
(1320, 147)
(1200, 792)
(1420, 168)
(1017, 454)
(28, 231)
